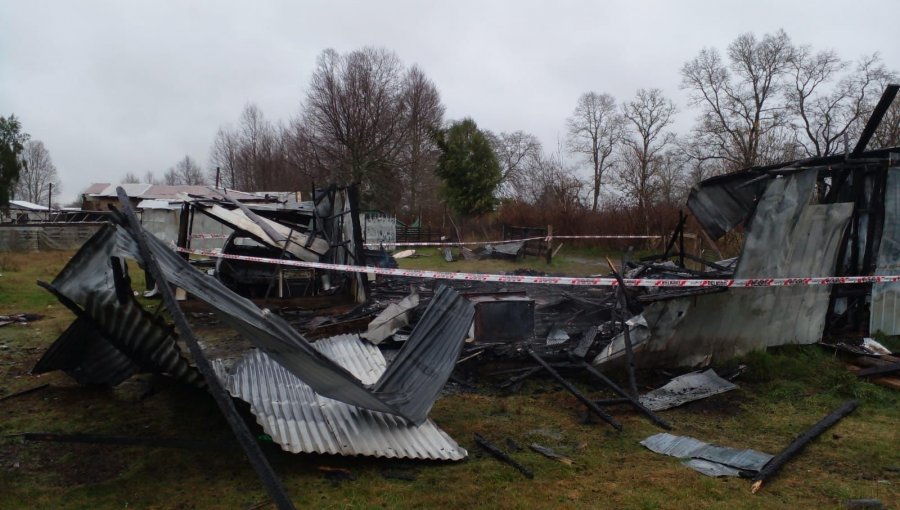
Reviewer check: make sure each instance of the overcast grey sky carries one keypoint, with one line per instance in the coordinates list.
(119, 86)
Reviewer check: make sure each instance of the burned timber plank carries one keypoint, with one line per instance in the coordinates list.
(879, 370)
(574, 391)
(773, 466)
(500, 455)
(626, 397)
(223, 399)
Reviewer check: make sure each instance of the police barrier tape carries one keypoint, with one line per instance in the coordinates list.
(560, 280)
(505, 241)
(209, 236)
(465, 243)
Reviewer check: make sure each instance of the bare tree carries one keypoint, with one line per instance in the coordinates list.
(595, 130)
(549, 183)
(829, 107)
(38, 175)
(673, 182)
(515, 151)
(224, 155)
(252, 156)
(739, 100)
(357, 120)
(186, 171)
(424, 112)
(150, 178)
(888, 132)
(648, 116)
(130, 178)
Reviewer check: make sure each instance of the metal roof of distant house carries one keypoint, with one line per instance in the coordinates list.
(22, 204)
(95, 188)
(165, 192)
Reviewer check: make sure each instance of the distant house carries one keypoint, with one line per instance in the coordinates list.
(21, 211)
(159, 207)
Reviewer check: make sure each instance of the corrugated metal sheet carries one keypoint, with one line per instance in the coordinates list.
(885, 307)
(300, 420)
(408, 387)
(721, 203)
(787, 238)
(136, 338)
(709, 459)
(686, 388)
(83, 353)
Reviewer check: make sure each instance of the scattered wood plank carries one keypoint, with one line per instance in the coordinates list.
(879, 371)
(885, 381)
(153, 442)
(773, 466)
(574, 391)
(625, 396)
(550, 454)
(500, 455)
(23, 392)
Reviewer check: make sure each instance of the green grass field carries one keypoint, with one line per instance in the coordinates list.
(782, 393)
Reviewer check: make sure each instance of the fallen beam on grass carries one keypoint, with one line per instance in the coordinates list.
(24, 392)
(500, 455)
(885, 381)
(574, 391)
(521, 377)
(550, 454)
(152, 442)
(879, 371)
(773, 466)
(641, 408)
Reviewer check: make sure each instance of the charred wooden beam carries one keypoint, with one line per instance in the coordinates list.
(879, 370)
(152, 442)
(500, 455)
(574, 391)
(875, 120)
(245, 438)
(24, 392)
(773, 466)
(633, 401)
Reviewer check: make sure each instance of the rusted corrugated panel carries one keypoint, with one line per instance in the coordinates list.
(300, 420)
(885, 307)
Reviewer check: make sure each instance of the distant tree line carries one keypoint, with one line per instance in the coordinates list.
(367, 117)
(26, 170)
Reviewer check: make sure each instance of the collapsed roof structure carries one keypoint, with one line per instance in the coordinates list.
(817, 217)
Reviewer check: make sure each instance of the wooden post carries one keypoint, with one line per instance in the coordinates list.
(245, 438)
(549, 242)
(682, 218)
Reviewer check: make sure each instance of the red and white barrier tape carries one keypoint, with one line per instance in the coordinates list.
(505, 241)
(561, 280)
(209, 236)
(465, 243)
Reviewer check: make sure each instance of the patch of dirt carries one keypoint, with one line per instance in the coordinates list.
(724, 404)
(64, 464)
